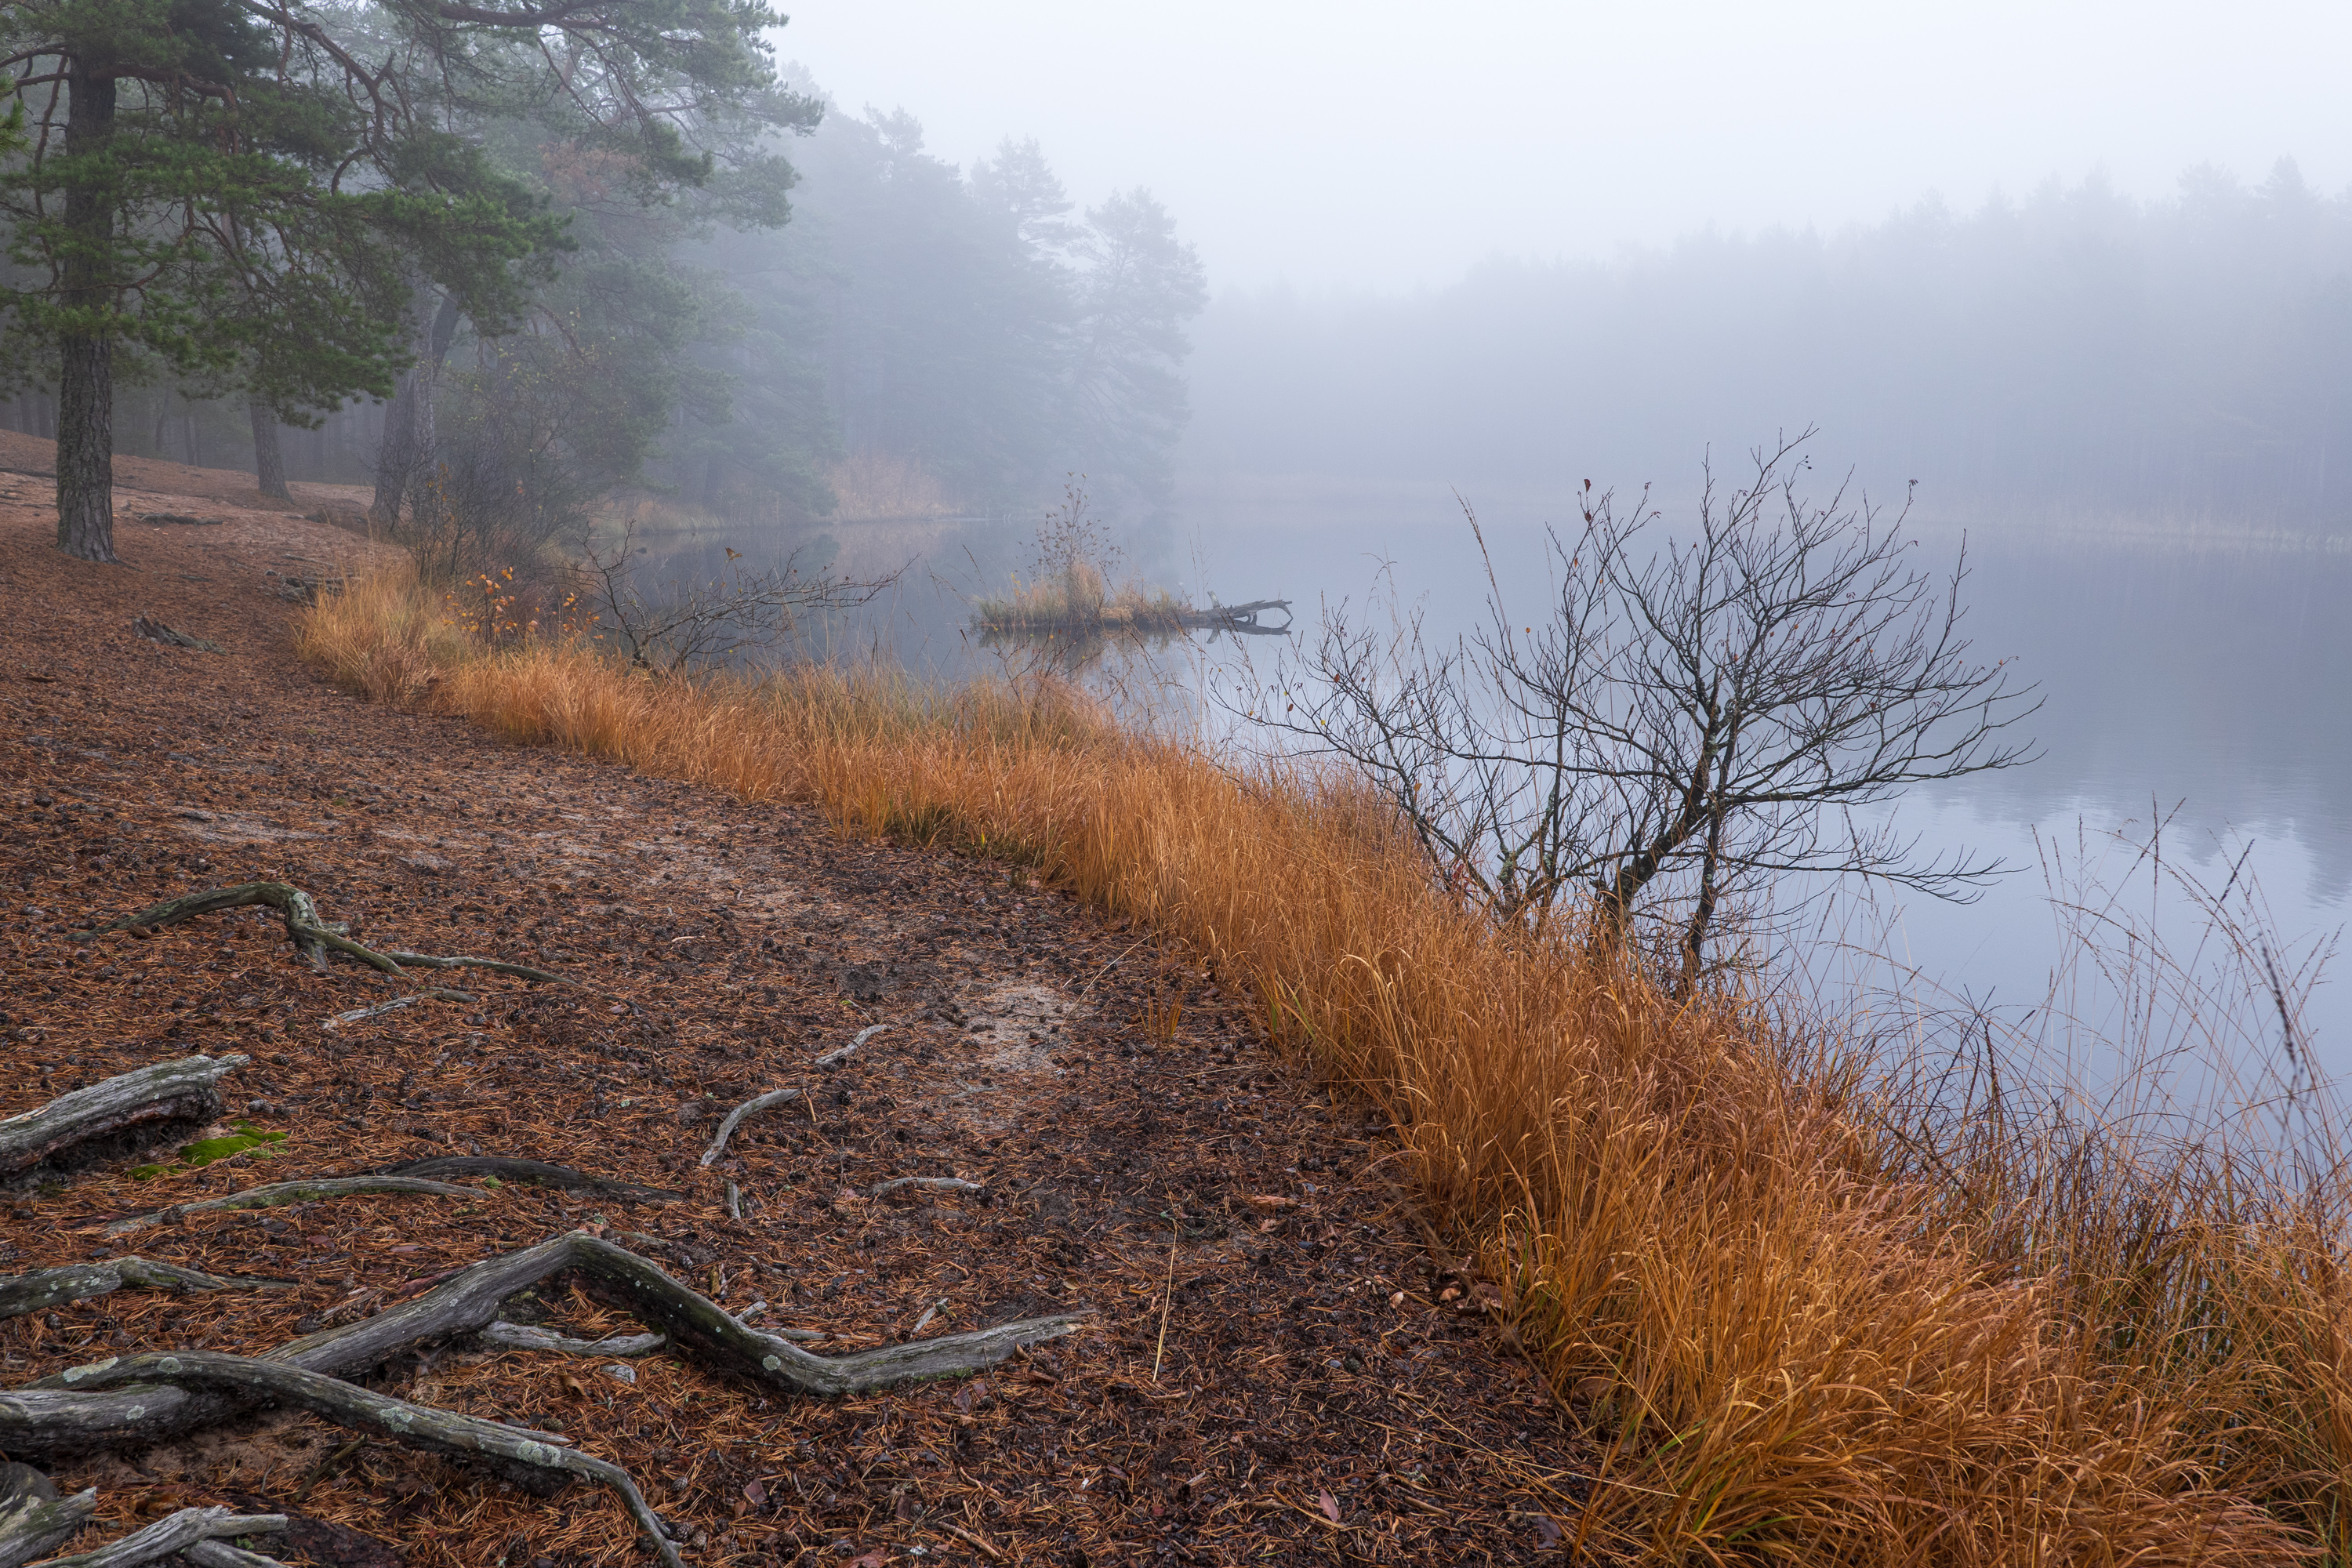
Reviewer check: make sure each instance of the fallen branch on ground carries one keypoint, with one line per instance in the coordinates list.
(120, 1114)
(534, 1173)
(310, 935)
(526, 1337)
(47, 1288)
(279, 1193)
(735, 1118)
(172, 1533)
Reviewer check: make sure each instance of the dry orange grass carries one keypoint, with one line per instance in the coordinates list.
(1804, 1338)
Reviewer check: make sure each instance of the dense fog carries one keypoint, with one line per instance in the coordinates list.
(837, 324)
(775, 326)
(2078, 350)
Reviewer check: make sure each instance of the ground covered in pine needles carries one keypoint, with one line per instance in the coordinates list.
(1283, 1367)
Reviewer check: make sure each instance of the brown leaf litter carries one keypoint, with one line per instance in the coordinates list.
(1139, 1150)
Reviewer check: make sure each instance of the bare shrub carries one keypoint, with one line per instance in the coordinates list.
(688, 625)
(1690, 717)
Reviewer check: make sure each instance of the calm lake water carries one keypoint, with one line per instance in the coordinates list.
(2196, 680)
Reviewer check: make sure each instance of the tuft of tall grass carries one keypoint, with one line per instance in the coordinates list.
(383, 636)
(1815, 1317)
(1077, 599)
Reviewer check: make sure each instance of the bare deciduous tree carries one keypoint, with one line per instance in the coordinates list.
(690, 625)
(1693, 716)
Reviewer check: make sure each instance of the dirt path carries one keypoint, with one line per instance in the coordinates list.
(1310, 1401)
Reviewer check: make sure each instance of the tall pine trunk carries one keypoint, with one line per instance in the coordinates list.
(408, 434)
(86, 356)
(269, 461)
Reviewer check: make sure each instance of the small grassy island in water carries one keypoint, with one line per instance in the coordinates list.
(1077, 602)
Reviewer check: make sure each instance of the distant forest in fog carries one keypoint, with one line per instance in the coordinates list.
(2186, 358)
(916, 338)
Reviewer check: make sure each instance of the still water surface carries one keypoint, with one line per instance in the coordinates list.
(2198, 681)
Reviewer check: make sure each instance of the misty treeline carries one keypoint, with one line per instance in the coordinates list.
(921, 336)
(505, 262)
(2190, 356)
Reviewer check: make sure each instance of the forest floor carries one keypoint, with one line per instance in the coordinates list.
(1283, 1367)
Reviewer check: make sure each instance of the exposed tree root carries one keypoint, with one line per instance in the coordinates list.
(221, 1554)
(279, 1193)
(76, 1415)
(735, 1118)
(33, 1519)
(535, 1173)
(113, 1117)
(47, 1288)
(835, 1057)
(517, 1453)
(430, 993)
(172, 1533)
(695, 1324)
(495, 965)
(523, 1337)
(312, 936)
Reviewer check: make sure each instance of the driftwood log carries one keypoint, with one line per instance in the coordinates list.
(114, 1117)
(310, 935)
(1240, 617)
(34, 1519)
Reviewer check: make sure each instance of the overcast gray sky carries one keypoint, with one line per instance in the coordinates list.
(1376, 146)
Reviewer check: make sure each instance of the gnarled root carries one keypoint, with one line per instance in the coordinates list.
(517, 1453)
(312, 936)
(47, 1288)
(34, 1521)
(59, 1417)
(188, 1531)
(304, 1192)
(535, 1173)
